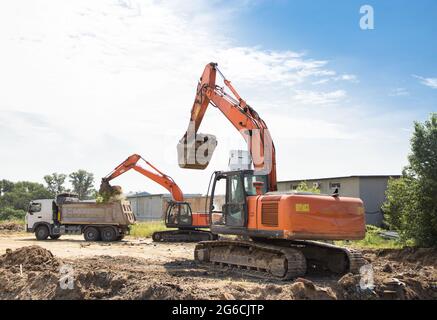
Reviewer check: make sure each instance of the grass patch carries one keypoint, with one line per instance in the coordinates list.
(373, 240)
(145, 229)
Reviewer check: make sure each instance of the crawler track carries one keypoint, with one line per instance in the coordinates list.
(183, 236)
(279, 259)
(256, 259)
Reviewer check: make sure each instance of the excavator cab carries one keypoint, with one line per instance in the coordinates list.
(178, 215)
(236, 186)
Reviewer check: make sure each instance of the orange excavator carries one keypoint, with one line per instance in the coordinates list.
(285, 234)
(178, 213)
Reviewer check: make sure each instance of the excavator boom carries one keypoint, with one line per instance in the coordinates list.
(157, 176)
(178, 213)
(243, 117)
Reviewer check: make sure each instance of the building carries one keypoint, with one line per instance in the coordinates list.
(371, 189)
(148, 206)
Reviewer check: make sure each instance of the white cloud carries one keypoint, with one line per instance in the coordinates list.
(319, 98)
(429, 82)
(86, 83)
(399, 92)
(347, 77)
(343, 77)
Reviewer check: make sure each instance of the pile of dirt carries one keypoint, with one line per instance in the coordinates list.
(42, 276)
(304, 289)
(424, 256)
(33, 258)
(400, 274)
(9, 227)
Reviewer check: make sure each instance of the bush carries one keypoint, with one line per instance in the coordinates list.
(303, 187)
(374, 240)
(11, 214)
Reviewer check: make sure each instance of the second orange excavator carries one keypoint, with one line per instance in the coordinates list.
(178, 214)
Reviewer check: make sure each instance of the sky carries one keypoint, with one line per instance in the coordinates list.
(85, 84)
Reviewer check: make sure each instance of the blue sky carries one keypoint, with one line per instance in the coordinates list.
(87, 83)
(402, 44)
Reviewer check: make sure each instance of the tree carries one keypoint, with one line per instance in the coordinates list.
(5, 186)
(82, 182)
(303, 187)
(411, 206)
(15, 197)
(55, 183)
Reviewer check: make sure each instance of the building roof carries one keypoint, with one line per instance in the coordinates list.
(343, 177)
(164, 195)
(137, 194)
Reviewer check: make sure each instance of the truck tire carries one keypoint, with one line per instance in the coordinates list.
(108, 234)
(91, 234)
(42, 232)
(55, 236)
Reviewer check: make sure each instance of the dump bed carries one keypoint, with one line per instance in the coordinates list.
(112, 213)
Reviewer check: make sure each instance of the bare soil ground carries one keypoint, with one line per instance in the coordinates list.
(141, 269)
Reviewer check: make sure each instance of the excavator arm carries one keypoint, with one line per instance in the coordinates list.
(155, 175)
(245, 119)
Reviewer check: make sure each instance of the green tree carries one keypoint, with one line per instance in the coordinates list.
(411, 205)
(303, 187)
(5, 186)
(15, 197)
(55, 183)
(82, 182)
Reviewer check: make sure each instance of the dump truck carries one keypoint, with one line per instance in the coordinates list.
(68, 215)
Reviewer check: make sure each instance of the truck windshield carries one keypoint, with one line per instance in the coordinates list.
(35, 207)
(249, 179)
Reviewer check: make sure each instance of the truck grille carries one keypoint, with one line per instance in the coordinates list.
(269, 214)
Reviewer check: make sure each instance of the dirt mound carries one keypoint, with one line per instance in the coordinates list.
(303, 289)
(32, 258)
(424, 256)
(7, 227)
(395, 274)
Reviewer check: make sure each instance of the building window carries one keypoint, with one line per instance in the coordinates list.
(294, 186)
(335, 185)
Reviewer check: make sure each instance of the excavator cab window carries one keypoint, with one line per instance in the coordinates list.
(235, 206)
(249, 179)
(178, 214)
(216, 202)
(233, 211)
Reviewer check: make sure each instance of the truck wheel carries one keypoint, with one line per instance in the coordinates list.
(55, 236)
(91, 234)
(42, 232)
(108, 234)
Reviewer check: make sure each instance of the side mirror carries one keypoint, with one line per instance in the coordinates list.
(259, 187)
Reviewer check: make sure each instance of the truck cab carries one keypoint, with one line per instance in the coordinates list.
(40, 216)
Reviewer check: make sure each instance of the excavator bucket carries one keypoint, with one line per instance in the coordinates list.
(197, 153)
(107, 191)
